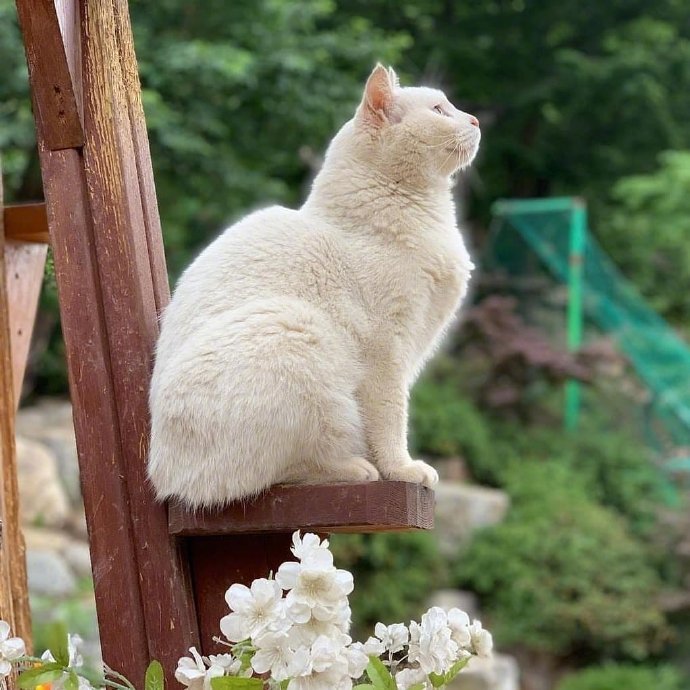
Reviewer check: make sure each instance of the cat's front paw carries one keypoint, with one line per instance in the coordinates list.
(415, 471)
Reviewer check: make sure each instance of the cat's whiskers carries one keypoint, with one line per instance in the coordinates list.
(454, 152)
(444, 144)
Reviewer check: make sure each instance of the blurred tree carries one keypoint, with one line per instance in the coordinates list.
(20, 169)
(578, 93)
(241, 99)
(648, 233)
(562, 575)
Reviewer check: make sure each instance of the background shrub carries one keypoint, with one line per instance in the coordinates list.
(623, 677)
(563, 574)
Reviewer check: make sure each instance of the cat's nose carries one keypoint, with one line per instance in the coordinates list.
(474, 121)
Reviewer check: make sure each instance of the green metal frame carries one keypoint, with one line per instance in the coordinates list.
(575, 316)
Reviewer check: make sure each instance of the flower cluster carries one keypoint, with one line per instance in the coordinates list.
(11, 649)
(290, 632)
(293, 632)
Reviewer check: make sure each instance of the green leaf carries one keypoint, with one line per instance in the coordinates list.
(72, 682)
(234, 683)
(437, 680)
(379, 675)
(363, 686)
(57, 643)
(154, 680)
(45, 673)
(417, 686)
(455, 669)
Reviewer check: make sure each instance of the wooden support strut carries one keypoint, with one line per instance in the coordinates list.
(14, 600)
(26, 223)
(100, 204)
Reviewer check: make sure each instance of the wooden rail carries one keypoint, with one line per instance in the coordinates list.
(26, 223)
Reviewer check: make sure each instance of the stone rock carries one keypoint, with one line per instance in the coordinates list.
(33, 421)
(64, 446)
(43, 500)
(455, 598)
(48, 574)
(462, 509)
(77, 523)
(452, 469)
(78, 558)
(42, 539)
(500, 672)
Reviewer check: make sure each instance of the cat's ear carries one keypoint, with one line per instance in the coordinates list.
(393, 77)
(377, 103)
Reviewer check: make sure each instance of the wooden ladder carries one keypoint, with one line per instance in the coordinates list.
(23, 247)
(159, 572)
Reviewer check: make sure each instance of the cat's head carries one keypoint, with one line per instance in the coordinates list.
(412, 131)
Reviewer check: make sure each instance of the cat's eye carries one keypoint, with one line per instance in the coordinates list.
(439, 110)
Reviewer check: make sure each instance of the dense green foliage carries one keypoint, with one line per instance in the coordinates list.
(562, 574)
(241, 97)
(445, 424)
(624, 677)
(392, 572)
(648, 232)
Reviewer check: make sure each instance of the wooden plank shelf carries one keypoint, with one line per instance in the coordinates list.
(362, 507)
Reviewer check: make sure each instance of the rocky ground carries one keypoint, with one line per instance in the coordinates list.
(58, 562)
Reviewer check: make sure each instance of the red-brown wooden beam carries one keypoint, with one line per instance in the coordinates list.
(55, 105)
(388, 506)
(14, 595)
(106, 270)
(26, 223)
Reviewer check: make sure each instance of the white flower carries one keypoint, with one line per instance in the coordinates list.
(327, 653)
(75, 658)
(230, 665)
(482, 641)
(311, 551)
(11, 648)
(374, 647)
(317, 592)
(193, 672)
(408, 677)
(459, 623)
(304, 634)
(327, 680)
(357, 659)
(253, 610)
(394, 637)
(276, 655)
(431, 644)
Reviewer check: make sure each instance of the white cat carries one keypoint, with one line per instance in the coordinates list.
(290, 344)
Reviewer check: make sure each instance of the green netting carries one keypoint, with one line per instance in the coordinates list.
(660, 357)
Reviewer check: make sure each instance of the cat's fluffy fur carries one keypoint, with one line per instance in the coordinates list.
(290, 344)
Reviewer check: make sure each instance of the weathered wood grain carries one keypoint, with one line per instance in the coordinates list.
(14, 595)
(115, 570)
(366, 507)
(24, 266)
(142, 154)
(26, 223)
(130, 316)
(55, 106)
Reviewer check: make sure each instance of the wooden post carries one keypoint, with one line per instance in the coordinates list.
(14, 599)
(111, 283)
